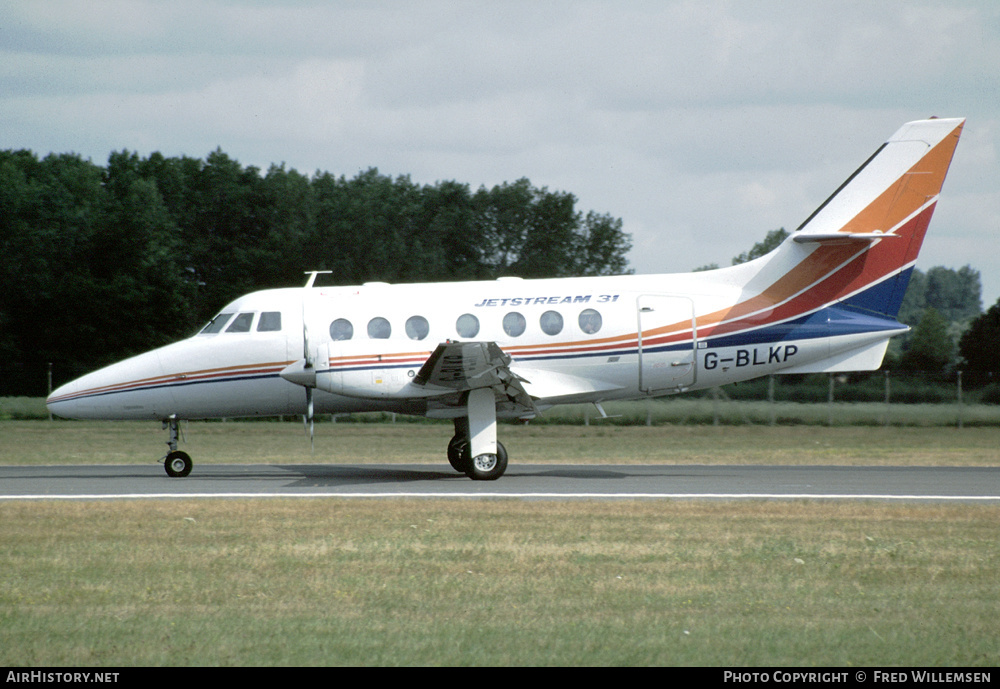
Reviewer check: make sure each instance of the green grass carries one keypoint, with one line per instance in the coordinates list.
(344, 582)
(689, 410)
(98, 442)
(23, 408)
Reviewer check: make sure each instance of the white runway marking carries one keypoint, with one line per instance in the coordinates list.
(577, 496)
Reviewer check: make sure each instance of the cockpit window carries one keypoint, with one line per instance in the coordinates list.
(270, 322)
(217, 324)
(241, 324)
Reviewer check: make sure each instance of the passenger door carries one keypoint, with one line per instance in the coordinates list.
(668, 338)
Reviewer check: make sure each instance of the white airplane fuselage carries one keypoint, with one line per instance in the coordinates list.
(237, 373)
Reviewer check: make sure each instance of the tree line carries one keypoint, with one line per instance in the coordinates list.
(101, 262)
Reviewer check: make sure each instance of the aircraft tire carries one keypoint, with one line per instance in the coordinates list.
(177, 464)
(456, 453)
(487, 467)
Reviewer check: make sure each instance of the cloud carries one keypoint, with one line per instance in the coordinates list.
(703, 125)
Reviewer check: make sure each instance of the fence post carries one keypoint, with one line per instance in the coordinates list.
(959, 399)
(770, 398)
(830, 402)
(887, 399)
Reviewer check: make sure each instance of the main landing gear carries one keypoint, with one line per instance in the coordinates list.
(485, 467)
(491, 461)
(177, 463)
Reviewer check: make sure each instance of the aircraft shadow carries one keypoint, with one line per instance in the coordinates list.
(334, 475)
(339, 475)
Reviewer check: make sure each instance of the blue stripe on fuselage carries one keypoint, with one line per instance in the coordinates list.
(828, 322)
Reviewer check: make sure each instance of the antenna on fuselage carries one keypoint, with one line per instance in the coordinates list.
(312, 276)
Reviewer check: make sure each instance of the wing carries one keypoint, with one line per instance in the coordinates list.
(463, 366)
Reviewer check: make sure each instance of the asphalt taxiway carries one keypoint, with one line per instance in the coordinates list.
(523, 481)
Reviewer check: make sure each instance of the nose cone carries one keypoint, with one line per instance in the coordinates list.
(131, 389)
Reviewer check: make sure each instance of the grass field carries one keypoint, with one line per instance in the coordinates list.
(498, 582)
(687, 410)
(80, 442)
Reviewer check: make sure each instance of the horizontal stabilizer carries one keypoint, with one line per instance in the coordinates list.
(842, 237)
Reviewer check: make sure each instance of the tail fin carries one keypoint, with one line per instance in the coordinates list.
(855, 252)
(876, 221)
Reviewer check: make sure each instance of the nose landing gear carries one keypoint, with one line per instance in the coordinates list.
(177, 463)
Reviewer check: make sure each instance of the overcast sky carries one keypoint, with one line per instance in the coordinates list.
(702, 125)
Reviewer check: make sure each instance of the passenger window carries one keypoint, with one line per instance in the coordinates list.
(241, 324)
(467, 325)
(341, 329)
(217, 324)
(417, 327)
(379, 328)
(590, 321)
(514, 324)
(270, 322)
(551, 322)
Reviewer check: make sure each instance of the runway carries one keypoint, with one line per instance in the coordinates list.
(522, 481)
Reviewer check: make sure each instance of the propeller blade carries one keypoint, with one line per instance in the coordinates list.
(310, 419)
(306, 354)
(307, 357)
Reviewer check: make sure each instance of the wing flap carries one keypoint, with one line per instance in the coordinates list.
(463, 366)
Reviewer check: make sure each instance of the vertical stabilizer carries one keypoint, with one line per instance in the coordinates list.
(873, 226)
(856, 251)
